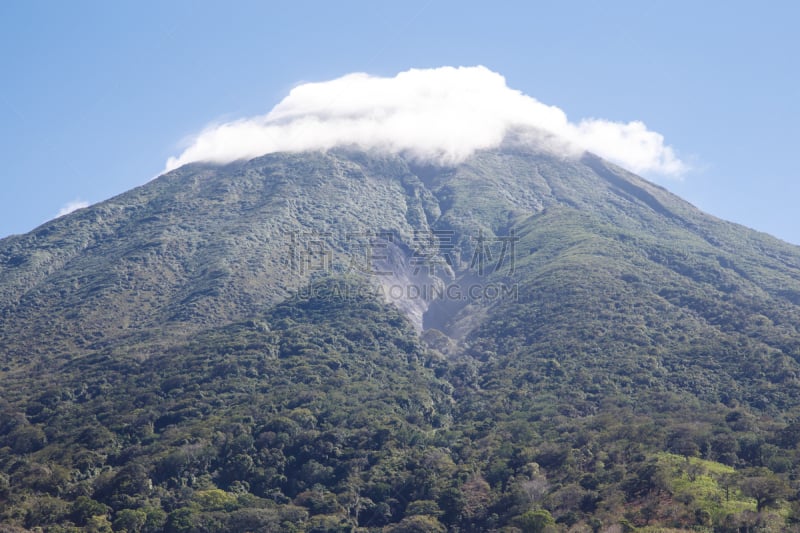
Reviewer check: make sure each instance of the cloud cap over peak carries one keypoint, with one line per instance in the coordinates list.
(440, 115)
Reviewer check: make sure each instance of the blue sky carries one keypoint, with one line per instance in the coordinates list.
(97, 95)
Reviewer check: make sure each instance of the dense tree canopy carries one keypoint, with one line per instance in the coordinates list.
(179, 359)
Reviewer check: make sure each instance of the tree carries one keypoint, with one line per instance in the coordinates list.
(181, 520)
(726, 481)
(26, 439)
(45, 510)
(418, 524)
(131, 520)
(84, 508)
(215, 500)
(682, 442)
(423, 507)
(765, 487)
(98, 524)
(535, 521)
(477, 497)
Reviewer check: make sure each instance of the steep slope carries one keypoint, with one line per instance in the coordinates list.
(603, 298)
(195, 247)
(321, 341)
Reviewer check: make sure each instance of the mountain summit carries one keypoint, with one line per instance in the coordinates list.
(354, 340)
(437, 115)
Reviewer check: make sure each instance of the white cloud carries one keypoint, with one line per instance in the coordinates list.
(72, 206)
(437, 115)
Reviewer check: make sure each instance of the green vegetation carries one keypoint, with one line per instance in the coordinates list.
(165, 367)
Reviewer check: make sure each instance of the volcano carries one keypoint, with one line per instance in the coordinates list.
(355, 341)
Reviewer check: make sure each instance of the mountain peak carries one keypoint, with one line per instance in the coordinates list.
(261, 345)
(440, 116)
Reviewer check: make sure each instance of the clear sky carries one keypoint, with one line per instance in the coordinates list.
(96, 96)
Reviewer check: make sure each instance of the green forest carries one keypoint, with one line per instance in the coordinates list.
(166, 365)
(331, 414)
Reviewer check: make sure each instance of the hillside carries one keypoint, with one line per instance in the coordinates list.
(350, 341)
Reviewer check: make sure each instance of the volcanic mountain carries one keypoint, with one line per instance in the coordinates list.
(328, 341)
